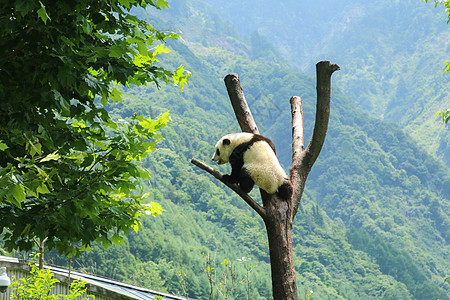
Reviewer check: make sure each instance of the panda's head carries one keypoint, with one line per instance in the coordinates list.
(223, 151)
(227, 144)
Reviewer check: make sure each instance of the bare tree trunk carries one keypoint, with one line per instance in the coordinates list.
(41, 246)
(278, 213)
(279, 233)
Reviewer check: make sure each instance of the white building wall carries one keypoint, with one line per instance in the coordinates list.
(17, 270)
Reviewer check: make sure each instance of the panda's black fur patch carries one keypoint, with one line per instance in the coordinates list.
(285, 190)
(240, 176)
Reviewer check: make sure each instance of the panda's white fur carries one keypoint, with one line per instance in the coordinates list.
(254, 156)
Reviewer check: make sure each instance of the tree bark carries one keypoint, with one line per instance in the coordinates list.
(278, 224)
(278, 213)
(303, 159)
(241, 110)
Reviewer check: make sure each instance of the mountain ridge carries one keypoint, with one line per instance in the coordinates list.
(391, 54)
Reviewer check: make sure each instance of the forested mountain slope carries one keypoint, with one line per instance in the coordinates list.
(374, 220)
(391, 54)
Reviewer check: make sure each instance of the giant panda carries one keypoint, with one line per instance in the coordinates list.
(253, 161)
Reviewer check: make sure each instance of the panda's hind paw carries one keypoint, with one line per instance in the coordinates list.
(227, 179)
(285, 190)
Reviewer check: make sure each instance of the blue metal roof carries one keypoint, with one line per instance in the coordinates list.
(116, 286)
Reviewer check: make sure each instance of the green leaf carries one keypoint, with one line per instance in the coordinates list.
(447, 66)
(125, 3)
(104, 99)
(179, 77)
(35, 148)
(142, 48)
(43, 189)
(162, 4)
(138, 33)
(26, 230)
(152, 208)
(76, 155)
(41, 172)
(116, 95)
(3, 146)
(142, 60)
(117, 239)
(84, 24)
(116, 51)
(52, 156)
(146, 123)
(18, 193)
(42, 13)
(160, 49)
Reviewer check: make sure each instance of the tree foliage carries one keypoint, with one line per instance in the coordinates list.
(39, 284)
(445, 115)
(68, 171)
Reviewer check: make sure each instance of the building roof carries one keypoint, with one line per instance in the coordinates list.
(109, 288)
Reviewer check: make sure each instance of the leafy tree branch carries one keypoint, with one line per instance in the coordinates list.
(71, 172)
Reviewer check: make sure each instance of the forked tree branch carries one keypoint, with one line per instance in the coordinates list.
(297, 128)
(324, 70)
(247, 124)
(240, 106)
(278, 213)
(297, 150)
(303, 161)
(253, 204)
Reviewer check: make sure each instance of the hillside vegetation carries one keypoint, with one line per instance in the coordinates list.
(391, 53)
(373, 222)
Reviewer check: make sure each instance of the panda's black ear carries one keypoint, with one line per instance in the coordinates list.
(226, 142)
